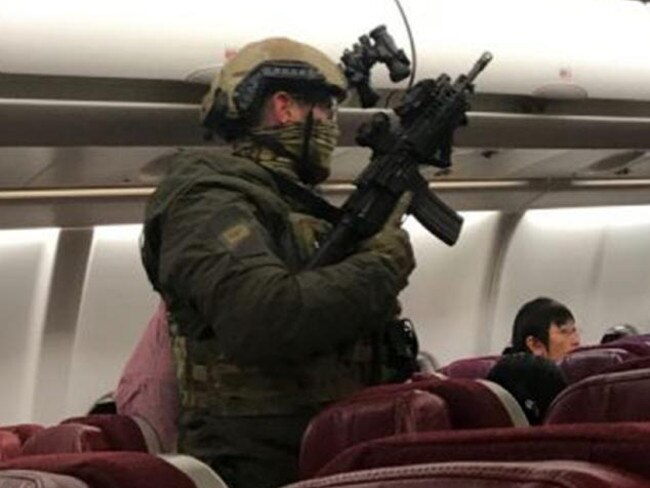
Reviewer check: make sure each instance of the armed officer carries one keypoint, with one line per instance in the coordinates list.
(260, 344)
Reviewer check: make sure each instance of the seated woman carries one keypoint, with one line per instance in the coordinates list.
(544, 327)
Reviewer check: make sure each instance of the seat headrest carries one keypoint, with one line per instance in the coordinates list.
(472, 368)
(121, 431)
(610, 397)
(587, 362)
(352, 422)
(68, 438)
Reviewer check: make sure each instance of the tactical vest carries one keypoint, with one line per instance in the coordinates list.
(210, 382)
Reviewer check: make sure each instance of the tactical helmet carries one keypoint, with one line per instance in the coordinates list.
(276, 63)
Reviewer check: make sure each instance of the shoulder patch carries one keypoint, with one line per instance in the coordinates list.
(238, 231)
(236, 234)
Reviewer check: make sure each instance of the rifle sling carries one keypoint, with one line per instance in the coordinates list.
(317, 206)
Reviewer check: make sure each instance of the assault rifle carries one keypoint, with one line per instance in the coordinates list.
(428, 116)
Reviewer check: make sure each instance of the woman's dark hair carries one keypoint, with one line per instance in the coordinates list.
(535, 319)
(534, 381)
(618, 332)
(104, 405)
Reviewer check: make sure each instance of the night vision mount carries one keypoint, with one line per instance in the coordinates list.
(431, 106)
(377, 47)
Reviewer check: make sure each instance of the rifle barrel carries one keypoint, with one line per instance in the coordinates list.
(479, 66)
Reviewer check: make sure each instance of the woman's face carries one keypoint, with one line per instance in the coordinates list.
(562, 339)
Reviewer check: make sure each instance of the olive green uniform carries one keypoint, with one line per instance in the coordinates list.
(260, 346)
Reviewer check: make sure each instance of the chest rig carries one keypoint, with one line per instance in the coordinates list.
(209, 381)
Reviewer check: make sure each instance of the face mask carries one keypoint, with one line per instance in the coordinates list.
(322, 141)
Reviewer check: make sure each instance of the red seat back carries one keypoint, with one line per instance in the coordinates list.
(351, 423)
(68, 438)
(23, 431)
(107, 469)
(421, 406)
(9, 445)
(632, 364)
(121, 431)
(472, 404)
(547, 474)
(20, 478)
(625, 446)
(586, 362)
(611, 397)
(472, 368)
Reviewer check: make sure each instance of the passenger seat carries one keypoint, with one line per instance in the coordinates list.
(610, 397)
(471, 368)
(88, 434)
(107, 469)
(22, 478)
(624, 446)
(408, 408)
(476, 474)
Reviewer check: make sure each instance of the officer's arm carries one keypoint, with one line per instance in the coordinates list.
(223, 265)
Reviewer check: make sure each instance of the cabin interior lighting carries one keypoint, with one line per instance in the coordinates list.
(628, 182)
(76, 193)
(48, 235)
(340, 187)
(590, 218)
(119, 233)
(116, 36)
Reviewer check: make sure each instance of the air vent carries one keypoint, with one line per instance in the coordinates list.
(561, 91)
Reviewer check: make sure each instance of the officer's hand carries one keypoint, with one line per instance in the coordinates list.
(393, 243)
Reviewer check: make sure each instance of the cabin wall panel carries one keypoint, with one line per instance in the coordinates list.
(26, 259)
(447, 297)
(116, 305)
(594, 260)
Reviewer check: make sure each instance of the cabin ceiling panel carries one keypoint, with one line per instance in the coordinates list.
(536, 45)
(18, 166)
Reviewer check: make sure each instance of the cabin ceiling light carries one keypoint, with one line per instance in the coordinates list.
(119, 233)
(589, 218)
(76, 193)
(28, 236)
(610, 183)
